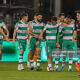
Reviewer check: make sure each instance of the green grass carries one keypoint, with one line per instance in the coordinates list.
(8, 71)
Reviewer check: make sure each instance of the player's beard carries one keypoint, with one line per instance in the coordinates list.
(38, 20)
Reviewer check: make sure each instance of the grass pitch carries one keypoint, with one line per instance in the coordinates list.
(8, 71)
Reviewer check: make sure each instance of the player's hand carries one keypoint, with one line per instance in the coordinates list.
(37, 36)
(13, 41)
(37, 42)
(57, 44)
(7, 39)
(8, 35)
(29, 38)
(74, 40)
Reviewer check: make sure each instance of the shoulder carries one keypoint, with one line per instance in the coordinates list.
(47, 25)
(42, 23)
(19, 22)
(33, 21)
(64, 24)
(26, 22)
(1, 22)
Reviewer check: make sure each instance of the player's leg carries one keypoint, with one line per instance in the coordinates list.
(49, 68)
(56, 52)
(28, 57)
(38, 51)
(20, 65)
(70, 62)
(32, 50)
(35, 59)
(57, 57)
(22, 47)
(70, 56)
(56, 68)
(64, 46)
(78, 62)
(32, 59)
(28, 60)
(49, 56)
(60, 49)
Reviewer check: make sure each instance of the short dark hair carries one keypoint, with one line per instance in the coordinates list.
(61, 14)
(69, 16)
(54, 18)
(36, 14)
(24, 14)
(78, 11)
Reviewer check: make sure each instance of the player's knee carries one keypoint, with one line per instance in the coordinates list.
(31, 53)
(64, 57)
(0, 52)
(48, 56)
(70, 55)
(21, 51)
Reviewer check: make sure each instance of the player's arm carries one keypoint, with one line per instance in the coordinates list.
(6, 38)
(72, 21)
(42, 32)
(74, 33)
(14, 34)
(58, 36)
(41, 35)
(7, 32)
(59, 32)
(5, 28)
(37, 36)
(74, 36)
(28, 33)
(31, 31)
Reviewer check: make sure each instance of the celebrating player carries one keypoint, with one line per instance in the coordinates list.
(2, 34)
(35, 54)
(21, 28)
(51, 34)
(36, 41)
(67, 32)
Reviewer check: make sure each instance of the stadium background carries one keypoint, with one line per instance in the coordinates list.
(10, 11)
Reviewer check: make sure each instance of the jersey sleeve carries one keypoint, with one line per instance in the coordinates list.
(73, 27)
(59, 32)
(30, 24)
(3, 24)
(45, 27)
(16, 26)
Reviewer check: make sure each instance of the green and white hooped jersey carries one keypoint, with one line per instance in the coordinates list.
(67, 32)
(60, 23)
(21, 30)
(37, 27)
(51, 32)
(3, 26)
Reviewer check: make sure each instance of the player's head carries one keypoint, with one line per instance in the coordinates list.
(78, 15)
(68, 19)
(35, 16)
(54, 20)
(61, 17)
(39, 17)
(24, 16)
(48, 22)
